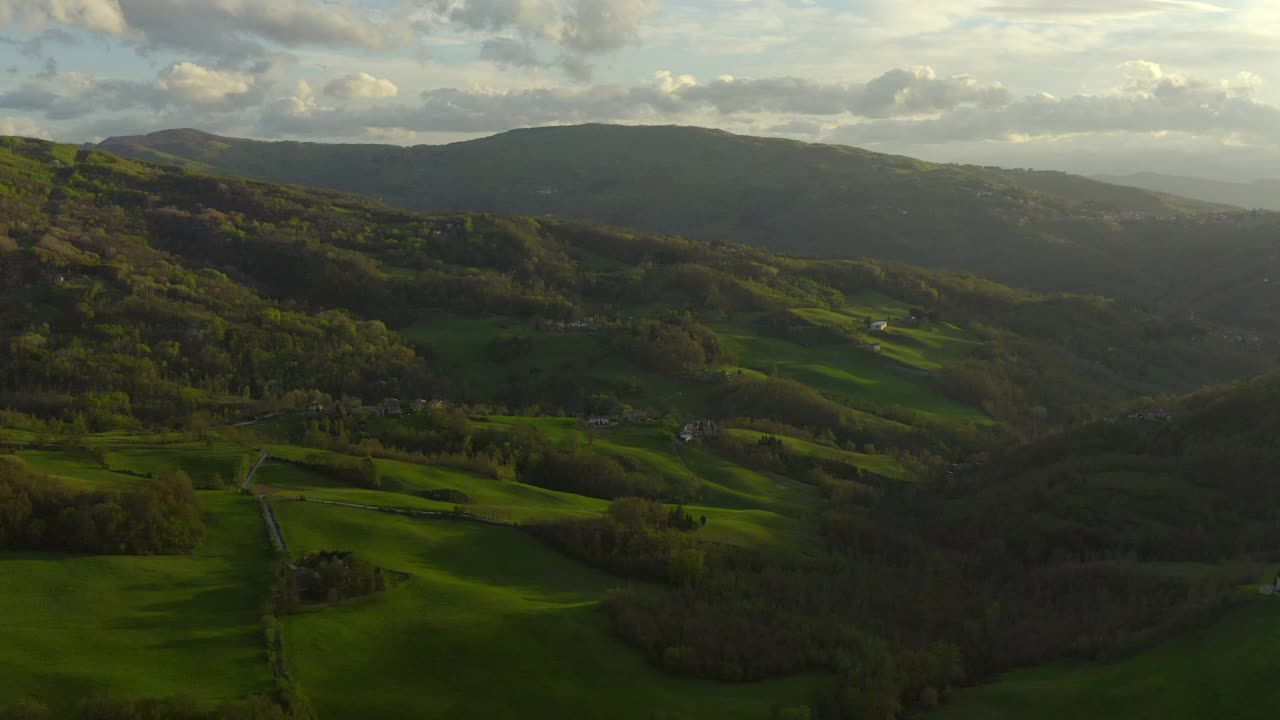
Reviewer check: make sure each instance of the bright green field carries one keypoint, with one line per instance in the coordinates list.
(462, 346)
(142, 626)
(845, 373)
(743, 507)
(925, 348)
(491, 625)
(77, 469)
(198, 460)
(500, 498)
(879, 464)
(1226, 671)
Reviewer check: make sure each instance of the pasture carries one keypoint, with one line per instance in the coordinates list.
(490, 624)
(77, 625)
(1224, 671)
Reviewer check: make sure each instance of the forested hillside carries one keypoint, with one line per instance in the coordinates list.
(1041, 230)
(132, 291)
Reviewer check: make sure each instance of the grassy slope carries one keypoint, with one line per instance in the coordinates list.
(742, 507)
(199, 461)
(1225, 671)
(510, 500)
(147, 626)
(879, 464)
(491, 625)
(845, 373)
(77, 469)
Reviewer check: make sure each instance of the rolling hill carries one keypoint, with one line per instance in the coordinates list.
(1046, 231)
(138, 292)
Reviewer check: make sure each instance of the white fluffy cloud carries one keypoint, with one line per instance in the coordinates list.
(195, 84)
(361, 86)
(103, 16)
(1150, 100)
(220, 28)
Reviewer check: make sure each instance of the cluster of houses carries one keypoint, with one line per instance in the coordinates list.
(588, 325)
(388, 407)
(695, 429)
(608, 421)
(1240, 339)
(1157, 415)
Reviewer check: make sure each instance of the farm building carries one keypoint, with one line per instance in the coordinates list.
(880, 325)
(600, 421)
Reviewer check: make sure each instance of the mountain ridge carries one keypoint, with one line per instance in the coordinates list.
(1044, 231)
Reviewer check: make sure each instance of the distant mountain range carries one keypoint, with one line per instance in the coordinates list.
(1259, 194)
(1046, 231)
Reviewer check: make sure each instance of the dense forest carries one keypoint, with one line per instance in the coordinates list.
(1041, 230)
(39, 513)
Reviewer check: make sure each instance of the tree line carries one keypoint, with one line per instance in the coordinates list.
(37, 512)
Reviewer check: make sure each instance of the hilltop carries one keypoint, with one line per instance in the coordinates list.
(1045, 231)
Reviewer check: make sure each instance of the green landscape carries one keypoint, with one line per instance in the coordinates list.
(274, 452)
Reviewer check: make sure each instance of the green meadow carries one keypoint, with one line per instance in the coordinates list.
(882, 465)
(75, 626)
(1225, 671)
(490, 624)
(846, 373)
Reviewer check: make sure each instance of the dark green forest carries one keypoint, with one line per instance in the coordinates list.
(1047, 231)
(139, 294)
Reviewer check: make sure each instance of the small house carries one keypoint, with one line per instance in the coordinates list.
(875, 347)
(879, 326)
(420, 405)
(685, 436)
(1271, 588)
(600, 421)
(701, 428)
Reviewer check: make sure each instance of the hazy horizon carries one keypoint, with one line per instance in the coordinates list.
(1081, 86)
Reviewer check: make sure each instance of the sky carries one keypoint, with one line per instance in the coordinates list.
(1091, 86)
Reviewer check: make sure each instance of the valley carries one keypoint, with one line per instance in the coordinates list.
(530, 466)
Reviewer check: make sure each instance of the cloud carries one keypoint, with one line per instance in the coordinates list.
(23, 127)
(914, 91)
(226, 29)
(104, 16)
(1041, 10)
(361, 86)
(1150, 100)
(669, 97)
(583, 26)
(511, 52)
(577, 29)
(195, 84)
(595, 26)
